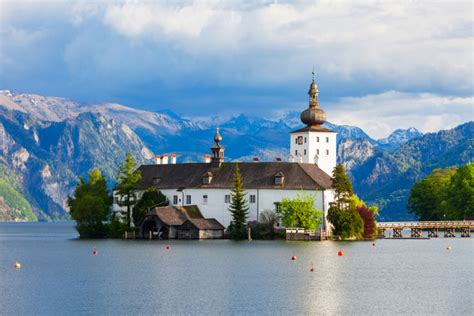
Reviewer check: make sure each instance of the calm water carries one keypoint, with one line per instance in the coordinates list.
(60, 275)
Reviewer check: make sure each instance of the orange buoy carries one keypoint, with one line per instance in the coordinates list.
(448, 248)
(168, 247)
(293, 258)
(17, 265)
(340, 253)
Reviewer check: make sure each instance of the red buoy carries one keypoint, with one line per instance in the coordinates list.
(95, 252)
(340, 253)
(311, 270)
(168, 247)
(293, 258)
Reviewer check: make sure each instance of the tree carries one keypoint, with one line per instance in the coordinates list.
(300, 212)
(342, 187)
(265, 227)
(368, 216)
(428, 197)
(90, 205)
(238, 208)
(342, 213)
(461, 192)
(127, 178)
(152, 197)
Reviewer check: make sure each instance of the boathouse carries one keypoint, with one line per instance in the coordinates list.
(179, 222)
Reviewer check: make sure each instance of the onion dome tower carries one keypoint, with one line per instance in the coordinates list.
(314, 143)
(313, 116)
(217, 149)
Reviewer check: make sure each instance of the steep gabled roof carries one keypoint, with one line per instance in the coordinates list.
(171, 215)
(255, 175)
(203, 224)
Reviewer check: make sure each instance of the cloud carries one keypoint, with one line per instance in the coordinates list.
(380, 114)
(227, 57)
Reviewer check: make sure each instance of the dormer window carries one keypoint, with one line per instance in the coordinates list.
(279, 178)
(207, 178)
(156, 180)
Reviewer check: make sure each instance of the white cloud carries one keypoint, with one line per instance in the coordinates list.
(408, 45)
(380, 114)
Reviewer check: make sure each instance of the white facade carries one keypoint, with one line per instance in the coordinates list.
(214, 203)
(314, 147)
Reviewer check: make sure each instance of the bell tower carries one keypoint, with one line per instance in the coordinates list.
(217, 149)
(313, 143)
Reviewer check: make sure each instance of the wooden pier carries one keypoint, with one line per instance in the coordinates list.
(432, 227)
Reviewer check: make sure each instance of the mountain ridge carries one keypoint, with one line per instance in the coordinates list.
(69, 141)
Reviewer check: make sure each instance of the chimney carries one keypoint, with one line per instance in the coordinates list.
(255, 159)
(173, 159)
(207, 158)
(278, 159)
(158, 159)
(164, 161)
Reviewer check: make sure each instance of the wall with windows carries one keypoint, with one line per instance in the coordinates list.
(315, 147)
(214, 203)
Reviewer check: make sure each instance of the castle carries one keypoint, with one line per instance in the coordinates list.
(208, 184)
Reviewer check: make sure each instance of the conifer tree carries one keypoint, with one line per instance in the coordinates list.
(342, 187)
(342, 213)
(127, 178)
(238, 208)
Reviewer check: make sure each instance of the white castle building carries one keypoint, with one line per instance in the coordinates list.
(208, 185)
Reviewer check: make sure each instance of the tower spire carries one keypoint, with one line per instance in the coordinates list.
(217, 149)
(313, 116)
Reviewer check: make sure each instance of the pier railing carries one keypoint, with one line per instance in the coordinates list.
(417, 228)
(426, 224)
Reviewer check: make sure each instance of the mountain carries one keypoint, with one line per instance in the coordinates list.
(399, 137)
(43, 159)
(386, 177)
(47, 142)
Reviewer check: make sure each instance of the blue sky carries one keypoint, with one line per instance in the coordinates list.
(379, 65)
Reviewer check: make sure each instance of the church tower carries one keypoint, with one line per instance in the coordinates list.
(314, 143)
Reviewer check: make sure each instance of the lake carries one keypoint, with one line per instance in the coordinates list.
(61, 276)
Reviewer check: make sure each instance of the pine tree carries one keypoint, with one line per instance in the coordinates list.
(342, 187)
(238, 208)
(342, 213)
(127, 178)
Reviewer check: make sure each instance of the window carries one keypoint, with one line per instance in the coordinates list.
(327, 139)
(175, 199)
(188, 199)
(296, 140)
(305, 140)
(317, 139)
(227, 199)
(327, 151)
(317, 151)
(277, 206)
(252, 198)
(296, 152)
(304, 152)
(116, 200)
(204, 199)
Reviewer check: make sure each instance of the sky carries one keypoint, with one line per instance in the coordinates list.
(379, 65)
